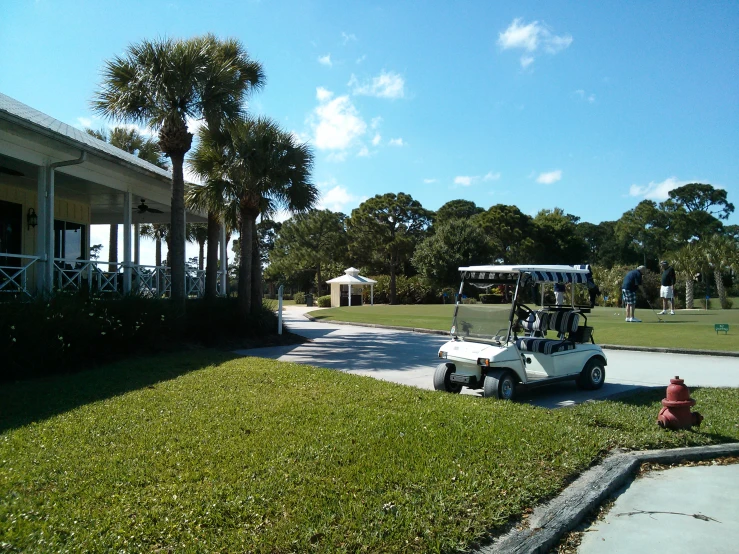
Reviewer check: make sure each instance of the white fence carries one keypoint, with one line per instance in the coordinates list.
(100, 277)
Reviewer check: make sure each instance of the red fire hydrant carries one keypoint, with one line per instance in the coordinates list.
(676, 413)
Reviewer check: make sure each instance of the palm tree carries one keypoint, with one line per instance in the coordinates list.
(688, 262)
(720, 252)
(158, 232)
(258, 167)
(161, 84)
(133, 142)
(200, 234)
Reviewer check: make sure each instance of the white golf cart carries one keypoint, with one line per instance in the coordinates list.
(497, 347)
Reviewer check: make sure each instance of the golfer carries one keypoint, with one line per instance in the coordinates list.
(667, 290)
(632, 283)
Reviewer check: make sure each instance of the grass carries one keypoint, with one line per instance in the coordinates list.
(692, 329)
(200, 452)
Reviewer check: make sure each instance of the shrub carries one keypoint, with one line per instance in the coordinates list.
(409, 290)
(493, 297)
(70, 332)
(324, 301)
(299, 297)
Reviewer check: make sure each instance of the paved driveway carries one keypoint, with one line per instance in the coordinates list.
(410, 358)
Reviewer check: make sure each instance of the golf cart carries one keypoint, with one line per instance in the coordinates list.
(497, 347)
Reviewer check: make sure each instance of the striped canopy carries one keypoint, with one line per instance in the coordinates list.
(539, 273)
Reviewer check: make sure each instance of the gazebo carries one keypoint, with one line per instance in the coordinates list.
(341, 288)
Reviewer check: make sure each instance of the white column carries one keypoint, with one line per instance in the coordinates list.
(224, 255)
(127, 206)
(350, 294)
(41, 230)
(372, 295)
(136, 244)
(48, 236)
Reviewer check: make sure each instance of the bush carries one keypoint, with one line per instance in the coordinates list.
(299, 297)
(324, 301)
(409, 290)
(493, 297)
(69, 332)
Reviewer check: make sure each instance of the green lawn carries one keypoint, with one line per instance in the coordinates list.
(687, 329)
(202, 452)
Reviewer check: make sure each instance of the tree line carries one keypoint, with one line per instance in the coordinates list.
(392, 234)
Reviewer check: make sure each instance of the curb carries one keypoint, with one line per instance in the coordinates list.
(658, 349)
(552, 520)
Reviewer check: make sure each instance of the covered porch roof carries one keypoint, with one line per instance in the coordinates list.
(30, 139)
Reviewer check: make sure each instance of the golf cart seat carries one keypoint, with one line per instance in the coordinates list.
(563, 322)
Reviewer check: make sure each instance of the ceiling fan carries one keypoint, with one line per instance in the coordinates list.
(143, 208)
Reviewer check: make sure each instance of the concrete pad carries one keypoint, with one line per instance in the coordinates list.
(409, 358)
(677, 494)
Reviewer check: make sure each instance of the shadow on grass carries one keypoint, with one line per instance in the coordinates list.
(25, 402)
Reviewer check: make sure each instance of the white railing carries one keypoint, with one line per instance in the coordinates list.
(100, 277)
(14, 278)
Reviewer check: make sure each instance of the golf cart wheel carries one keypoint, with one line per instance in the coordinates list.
(593, 374)
(442, 379)
(501, 386)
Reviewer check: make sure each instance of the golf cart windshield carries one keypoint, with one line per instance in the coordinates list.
(509, 288)
(488, 322)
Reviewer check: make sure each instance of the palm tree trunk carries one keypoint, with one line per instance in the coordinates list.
(318, 280)
(720, 289)
(256, 270)
(113, 248)
(245, 247)
(201, 255)
(177, 242)
(211, 267)
(689, 294)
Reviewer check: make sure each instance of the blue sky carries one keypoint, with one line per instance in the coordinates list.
(590, 107)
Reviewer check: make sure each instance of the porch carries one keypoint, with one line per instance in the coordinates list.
(55, 182)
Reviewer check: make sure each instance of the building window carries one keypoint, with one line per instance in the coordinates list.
(11, 220)
(69, 240)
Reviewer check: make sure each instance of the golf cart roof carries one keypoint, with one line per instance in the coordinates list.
(539, 273)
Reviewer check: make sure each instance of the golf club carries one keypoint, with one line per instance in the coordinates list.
(655, 311)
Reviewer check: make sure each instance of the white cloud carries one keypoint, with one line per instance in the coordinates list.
(396, 142)
(429, 181)
(325, 60)
(335, 122)
(335, 197)
(464, 180)
(361, 58)
(656, 191)
(580, 93)
(363, 152)
(322, 94)
(467, 180)
(385, 85)
(336, 157)
(490, 176)
(549, 177)
(520, 36)
(376, 121)
(85, 122)
(530, 38)
(348, 37)
(376, 139)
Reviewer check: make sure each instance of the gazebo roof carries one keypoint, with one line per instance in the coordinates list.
(352, 277)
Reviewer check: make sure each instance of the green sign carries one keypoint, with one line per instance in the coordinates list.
(721, 327)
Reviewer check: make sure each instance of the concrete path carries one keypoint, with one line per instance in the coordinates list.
(656, 513)
(410, 358)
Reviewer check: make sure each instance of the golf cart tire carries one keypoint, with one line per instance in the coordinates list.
(500, 385)
(442, 379)
(593, 374)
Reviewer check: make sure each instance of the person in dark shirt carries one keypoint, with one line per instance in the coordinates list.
(632, 283)
(667, 290)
